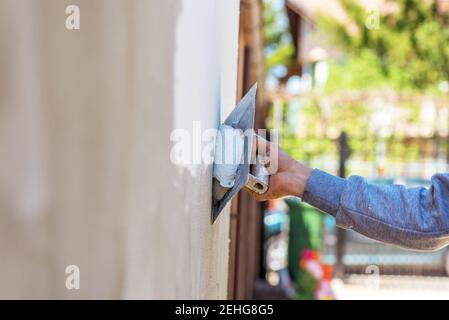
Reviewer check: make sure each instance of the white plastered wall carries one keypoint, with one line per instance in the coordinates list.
(85, 124)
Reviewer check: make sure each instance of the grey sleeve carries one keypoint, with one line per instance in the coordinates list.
(414, 218)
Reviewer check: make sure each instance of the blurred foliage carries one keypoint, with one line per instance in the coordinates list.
(413, 38)
(361, 71)
(278, 44)
(405, 50)
(316, 122)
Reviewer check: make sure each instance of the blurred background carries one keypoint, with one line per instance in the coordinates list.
(355, 87)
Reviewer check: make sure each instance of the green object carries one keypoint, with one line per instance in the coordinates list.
(305, 232)
(305, 286)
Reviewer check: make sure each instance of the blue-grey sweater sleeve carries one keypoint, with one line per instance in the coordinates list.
(414, 218)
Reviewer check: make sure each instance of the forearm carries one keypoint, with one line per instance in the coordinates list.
(414, 218)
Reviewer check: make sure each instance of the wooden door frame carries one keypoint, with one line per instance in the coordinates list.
(246, 213)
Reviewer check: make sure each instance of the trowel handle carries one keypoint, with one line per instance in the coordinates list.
(258, 178)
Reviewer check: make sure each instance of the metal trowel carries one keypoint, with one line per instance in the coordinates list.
(234, 143)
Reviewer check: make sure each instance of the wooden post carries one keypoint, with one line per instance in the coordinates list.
(344, 153)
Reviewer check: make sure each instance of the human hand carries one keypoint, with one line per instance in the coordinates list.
(287, 178)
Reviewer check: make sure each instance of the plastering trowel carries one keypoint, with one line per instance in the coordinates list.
(235, 164)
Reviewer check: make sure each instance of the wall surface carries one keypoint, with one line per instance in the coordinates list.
(85, 124)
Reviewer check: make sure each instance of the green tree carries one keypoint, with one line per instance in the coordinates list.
(278, 44)
(410, 43)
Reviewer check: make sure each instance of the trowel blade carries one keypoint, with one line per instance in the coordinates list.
(242, 117)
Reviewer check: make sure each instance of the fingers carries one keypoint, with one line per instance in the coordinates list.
(261, 145)
(267, 153)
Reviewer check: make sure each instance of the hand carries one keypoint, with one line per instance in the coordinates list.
(289, 179)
